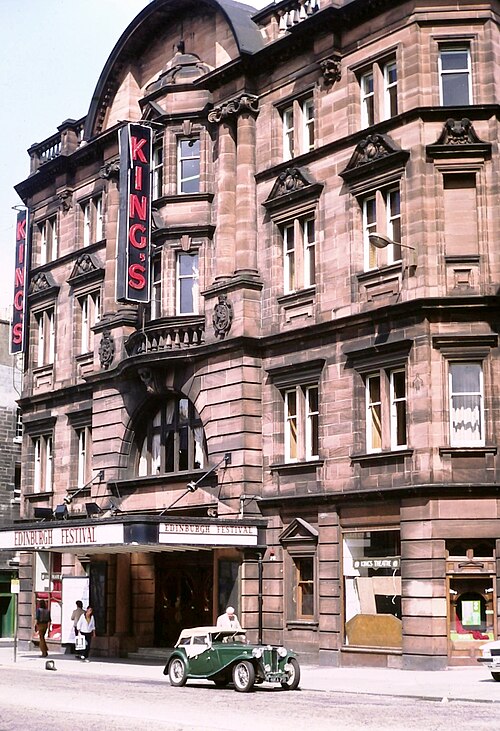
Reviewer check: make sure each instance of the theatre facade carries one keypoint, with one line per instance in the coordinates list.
(257, 294)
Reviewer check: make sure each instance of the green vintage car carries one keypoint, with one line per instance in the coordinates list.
(224, 655)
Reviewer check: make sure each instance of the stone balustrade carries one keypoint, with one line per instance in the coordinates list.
(167, 334)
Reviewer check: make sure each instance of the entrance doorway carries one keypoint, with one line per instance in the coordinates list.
(184, 594)
(471, 617)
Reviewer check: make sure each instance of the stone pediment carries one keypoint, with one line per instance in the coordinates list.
(293, 184)
(458, 138)
(42, 284)
(299, 531)
(85, 267)
(374, 154)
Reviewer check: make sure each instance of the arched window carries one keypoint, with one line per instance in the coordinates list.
(171, 441)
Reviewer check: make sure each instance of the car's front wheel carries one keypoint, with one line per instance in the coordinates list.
(293, 679)
(243, 676)
(496, 676)
(177, 672)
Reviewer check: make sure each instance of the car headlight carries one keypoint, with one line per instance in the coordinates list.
(267, 668)
(257, 652)
(282, 652)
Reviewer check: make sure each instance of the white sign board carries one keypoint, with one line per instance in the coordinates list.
(208, 534)
(42, 539)
(73, 588)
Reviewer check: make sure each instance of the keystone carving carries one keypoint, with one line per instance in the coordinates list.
(331, 70)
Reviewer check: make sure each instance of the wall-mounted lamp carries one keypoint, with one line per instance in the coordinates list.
(93, 509)
(61, 512)
(68, 499)
(43, 513)
(379, 241)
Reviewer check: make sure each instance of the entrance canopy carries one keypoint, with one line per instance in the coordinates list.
(130, 534)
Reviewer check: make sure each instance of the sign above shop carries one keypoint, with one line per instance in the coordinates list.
(377, 563)
(208, 534)
(45, 538)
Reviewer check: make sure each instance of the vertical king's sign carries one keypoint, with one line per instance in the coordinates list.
(18, 328)
(134, 230)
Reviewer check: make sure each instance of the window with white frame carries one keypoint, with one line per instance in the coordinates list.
(298, 127)
(84, 455)
(304, 586)
(92, 220)
(382, 215)
(157, 169)
(187, 283)
(188, 165)
(155, 309)
(466, 403)
(45, 323)
(455, 75)
(42, 463)
(90, 315)
(299, 254)
(171, 440)
(301, 425)
(19, 426)
(386, 410)
(48, 240)
(378, 87)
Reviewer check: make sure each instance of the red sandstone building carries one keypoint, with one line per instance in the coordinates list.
(286, 397)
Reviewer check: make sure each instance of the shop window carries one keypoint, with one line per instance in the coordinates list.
(90, 314)
(455, 75)
(187, 284)
(48, 586)
(42, 463)
(372, 588)
(299, 254)
(378, 86)
(466, 404)
(298, 125)
(92, 220)
(188, 165)
(385, 410)
(172, 440)
(382, 215)
(45, 349)
(48, 240)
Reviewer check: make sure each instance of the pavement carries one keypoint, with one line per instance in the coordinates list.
(454, 684)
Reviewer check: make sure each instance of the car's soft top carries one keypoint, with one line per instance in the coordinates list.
(211, 630)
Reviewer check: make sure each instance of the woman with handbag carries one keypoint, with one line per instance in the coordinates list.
(86, 628)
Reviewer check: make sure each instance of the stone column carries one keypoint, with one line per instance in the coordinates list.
(226, 197)
(246, 200)
(110, 172)
(122, 594)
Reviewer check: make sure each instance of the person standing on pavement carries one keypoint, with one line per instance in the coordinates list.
(76, 614)
(86, 627)
(228, 620)
(42, 625)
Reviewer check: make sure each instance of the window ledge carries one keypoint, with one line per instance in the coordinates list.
(380, 272)
(38, 496)
(304, 466)
(297, 296)
(468, 451)
(391, 455)
(145, 482)
(302, 624)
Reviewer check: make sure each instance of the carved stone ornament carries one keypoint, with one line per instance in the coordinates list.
(458, 132)
(66, 198)
(331, 70)
(41, 282)
(147, 376)
(84, 265)
(288, 182)
(106, 349)
(231, 109)
(111, 170)
(222, 317)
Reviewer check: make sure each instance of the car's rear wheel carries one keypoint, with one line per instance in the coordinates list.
(293, 680)
(496, 676)
(177, 672)
(243, 676)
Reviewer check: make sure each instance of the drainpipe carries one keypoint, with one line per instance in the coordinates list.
(260, 596)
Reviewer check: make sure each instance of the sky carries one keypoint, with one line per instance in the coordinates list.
(51, 57)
